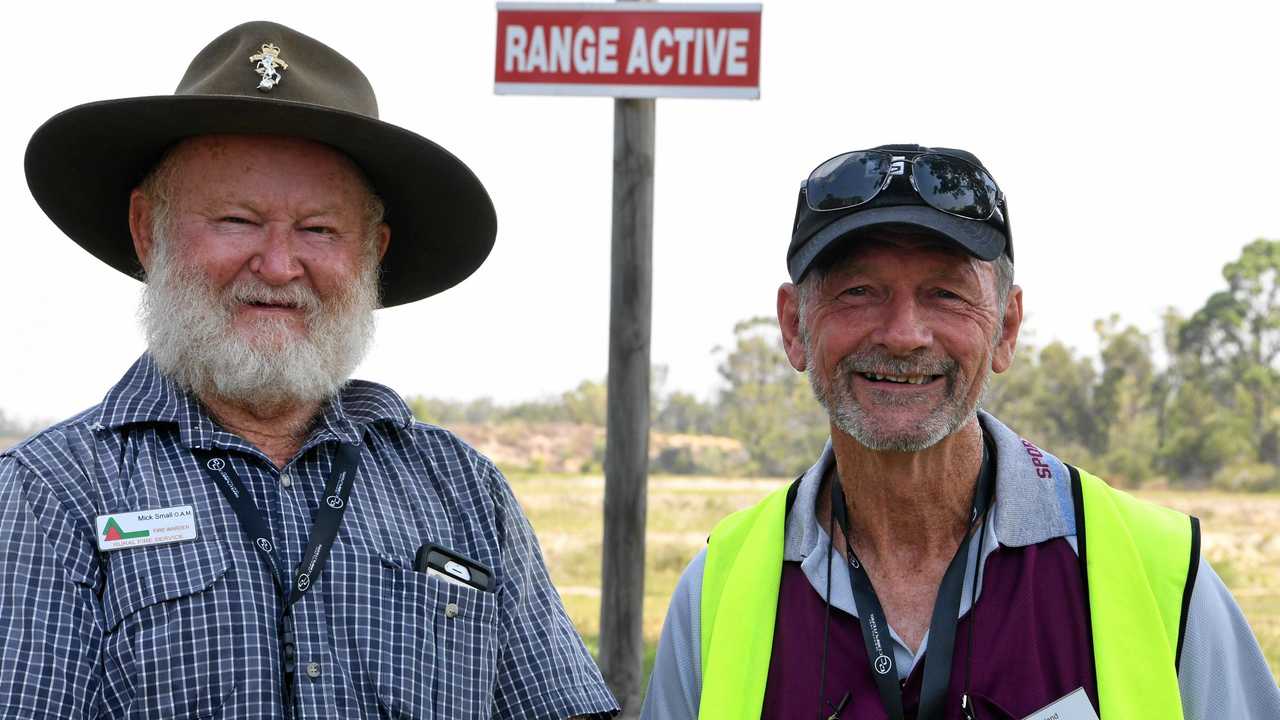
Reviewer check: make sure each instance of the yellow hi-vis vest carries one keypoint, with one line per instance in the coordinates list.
(1140, 564)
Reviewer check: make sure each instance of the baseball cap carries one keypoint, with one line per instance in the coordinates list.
(898, 202)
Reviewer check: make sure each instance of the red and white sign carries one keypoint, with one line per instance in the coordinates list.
(628, 49)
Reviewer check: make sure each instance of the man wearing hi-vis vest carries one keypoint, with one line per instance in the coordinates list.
(933, 564)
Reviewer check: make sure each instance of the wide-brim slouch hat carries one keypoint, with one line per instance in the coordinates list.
(265, 78)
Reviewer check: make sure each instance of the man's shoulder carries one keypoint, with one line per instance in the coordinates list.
(62, 440)
(381, 409)
(448, 443)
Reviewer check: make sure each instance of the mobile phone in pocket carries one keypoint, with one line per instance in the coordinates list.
(452, 567)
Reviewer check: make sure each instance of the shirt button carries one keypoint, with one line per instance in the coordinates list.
(313, 670)
(451, 610)
(285, 480)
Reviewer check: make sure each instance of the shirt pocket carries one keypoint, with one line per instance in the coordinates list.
(170, 641)
(433, 650)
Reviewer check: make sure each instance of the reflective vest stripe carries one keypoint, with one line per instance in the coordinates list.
(1137, 574)
(740, 581)
(1136, 559)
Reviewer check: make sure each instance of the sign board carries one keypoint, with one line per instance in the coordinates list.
(628, 49)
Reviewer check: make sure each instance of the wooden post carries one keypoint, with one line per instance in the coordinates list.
(626, 463)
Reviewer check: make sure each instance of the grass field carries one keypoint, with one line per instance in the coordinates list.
(1241, 540)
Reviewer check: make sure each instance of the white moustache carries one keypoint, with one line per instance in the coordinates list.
(293, 295)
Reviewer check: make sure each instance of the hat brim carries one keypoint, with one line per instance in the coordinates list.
(977, 238)
(82, 164)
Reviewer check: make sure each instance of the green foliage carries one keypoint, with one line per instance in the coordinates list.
(584, 404)
(1226, 358)
(1047, 397)
(1206, 413)
(766, 404)
(685, 413)
(1210, 416)
(444, 412)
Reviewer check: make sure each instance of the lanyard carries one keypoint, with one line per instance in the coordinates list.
(942, 627)
(254, 527)
(325, 529)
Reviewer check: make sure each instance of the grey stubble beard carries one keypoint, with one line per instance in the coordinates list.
(849, 416)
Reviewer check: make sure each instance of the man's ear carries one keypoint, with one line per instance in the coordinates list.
(384, 240)
(141, 211)
(789, 323)
(1002, 358)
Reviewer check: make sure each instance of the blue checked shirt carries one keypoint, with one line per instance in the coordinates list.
(189, 630)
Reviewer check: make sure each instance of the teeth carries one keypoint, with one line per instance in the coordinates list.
(908, 379)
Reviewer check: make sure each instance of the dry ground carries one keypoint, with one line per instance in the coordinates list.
(1241, 540)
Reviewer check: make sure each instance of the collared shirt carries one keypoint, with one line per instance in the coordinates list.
(190, 630)
(1222, 673)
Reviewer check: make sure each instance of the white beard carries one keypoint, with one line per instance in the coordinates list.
(192, 338)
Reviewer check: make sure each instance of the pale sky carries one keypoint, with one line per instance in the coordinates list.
(1137, 143)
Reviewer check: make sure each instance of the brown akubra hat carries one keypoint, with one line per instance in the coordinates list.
(265, 78)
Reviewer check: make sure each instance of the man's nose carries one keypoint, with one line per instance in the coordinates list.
(276, 261)
(903, 329)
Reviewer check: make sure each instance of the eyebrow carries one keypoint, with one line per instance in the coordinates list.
(221, 203)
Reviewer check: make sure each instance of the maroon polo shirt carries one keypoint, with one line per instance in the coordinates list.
(1030, 644)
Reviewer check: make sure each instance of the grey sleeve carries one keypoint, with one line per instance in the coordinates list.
(1223, 673)
(675, 686)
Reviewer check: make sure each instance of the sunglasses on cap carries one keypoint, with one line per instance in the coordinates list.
(950, 184)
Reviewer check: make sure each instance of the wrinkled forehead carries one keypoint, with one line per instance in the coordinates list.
(200, 160)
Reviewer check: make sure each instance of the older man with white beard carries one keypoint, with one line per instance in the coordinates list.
(238, 530)
(932, 564)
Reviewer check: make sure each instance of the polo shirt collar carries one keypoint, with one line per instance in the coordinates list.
(1032, 504)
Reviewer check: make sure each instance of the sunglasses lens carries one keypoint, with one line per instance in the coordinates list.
(953, 185)
(846, 180)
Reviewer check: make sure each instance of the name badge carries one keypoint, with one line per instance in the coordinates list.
(121, 531)
(1074, 705)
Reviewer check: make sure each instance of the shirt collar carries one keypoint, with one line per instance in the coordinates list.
(145, 395)
(1032, 504)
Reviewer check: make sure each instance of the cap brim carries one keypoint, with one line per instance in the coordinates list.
(82, 164)
(977, 238)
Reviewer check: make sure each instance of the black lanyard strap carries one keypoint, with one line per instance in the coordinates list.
(946, 609)
(324, 530)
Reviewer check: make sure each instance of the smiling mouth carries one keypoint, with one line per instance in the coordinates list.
(899, 379)
(270, 306)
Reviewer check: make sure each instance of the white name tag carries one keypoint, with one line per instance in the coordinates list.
(1074, 705)
(120, 531)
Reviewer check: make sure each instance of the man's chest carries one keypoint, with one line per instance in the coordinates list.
(195, 628)
(907, 594)
(1024, 644)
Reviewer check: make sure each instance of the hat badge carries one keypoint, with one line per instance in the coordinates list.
(269, 66)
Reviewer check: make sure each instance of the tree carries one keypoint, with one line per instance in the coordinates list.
(445, 412)
(682, 412)
(768, 405)
(1124, 403)
(1230, 349)
(585, 404)
(1046, 396)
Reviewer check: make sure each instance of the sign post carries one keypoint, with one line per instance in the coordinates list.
(634, 52)
(626, 455)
